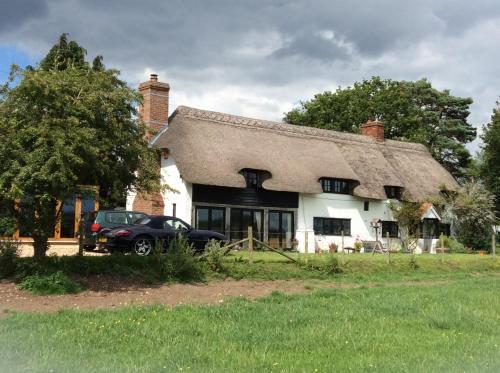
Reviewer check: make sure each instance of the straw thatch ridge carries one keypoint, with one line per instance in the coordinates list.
(211, 148)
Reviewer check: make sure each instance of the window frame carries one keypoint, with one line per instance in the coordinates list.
(393, 192)
(329, 223)
(393, 225)
(209, 218)
(336, 186)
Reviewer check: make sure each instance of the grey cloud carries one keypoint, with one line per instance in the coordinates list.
(272, 53)
(15, 13)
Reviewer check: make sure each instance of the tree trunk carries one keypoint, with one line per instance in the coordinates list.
(40, 245)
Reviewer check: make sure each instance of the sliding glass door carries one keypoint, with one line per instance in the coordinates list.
(241, 219)
(281, 229)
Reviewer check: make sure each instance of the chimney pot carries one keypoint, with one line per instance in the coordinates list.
(153, 77)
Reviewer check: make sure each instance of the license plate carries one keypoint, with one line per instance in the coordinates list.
(102, 240)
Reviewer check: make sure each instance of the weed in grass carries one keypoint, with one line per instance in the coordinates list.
(178, 262)
(214, 257)
(56, 283)
(413, 263)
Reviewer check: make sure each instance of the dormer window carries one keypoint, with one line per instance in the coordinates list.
(393, 192)
(338, 186)
(254, 178)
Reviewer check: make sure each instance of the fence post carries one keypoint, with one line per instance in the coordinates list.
(250, 244)
(441, 243)
(388, 243)
(342, 233)
(493, 245)
(306, 245)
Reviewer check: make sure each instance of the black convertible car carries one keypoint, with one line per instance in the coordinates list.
(140, 238)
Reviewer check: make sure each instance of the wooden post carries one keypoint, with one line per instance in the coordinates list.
(306, 245)
(493, 245)
(388, 247)
(250, 244)
(342, 233)
(441, 243)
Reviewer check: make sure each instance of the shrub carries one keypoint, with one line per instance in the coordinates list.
(328, 264)
(9, 255)
(332, 265)
(214, 256)
(55, 283)
(178, 262)
(453, 245)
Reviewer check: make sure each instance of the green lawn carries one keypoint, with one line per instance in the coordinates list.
(360, 267)
(451, 327)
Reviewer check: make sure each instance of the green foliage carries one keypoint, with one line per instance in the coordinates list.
(67, 124)
(178, 262)
(214, 256)
(408, 215)
(452, 244)
(472, 212)
(9, 255)
(7, 226)
(327, 264)
(55, 283)
(411, 111)
(490, 157)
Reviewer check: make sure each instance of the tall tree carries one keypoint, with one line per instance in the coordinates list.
(490, 157)
(411, 111)
(61, 128)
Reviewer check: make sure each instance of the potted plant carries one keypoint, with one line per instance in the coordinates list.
(333, 247)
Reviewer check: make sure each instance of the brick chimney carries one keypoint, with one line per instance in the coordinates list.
(373, 128)
(154, 112)
(154, 108)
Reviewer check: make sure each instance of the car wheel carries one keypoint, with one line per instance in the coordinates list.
(143, 246)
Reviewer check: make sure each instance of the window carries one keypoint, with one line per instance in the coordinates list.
(393, 192)
(252, 178)
(367, 206)
(445, 229)
(335, 186)
(429, 228)
(116, 217)
(332, 226)
(134, 216)
(211, 218)
(68, 218)
(175, 224)
(391, 228)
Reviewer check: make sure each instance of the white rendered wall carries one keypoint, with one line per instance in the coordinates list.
(330, 205)
(182, 197)
(130, 199)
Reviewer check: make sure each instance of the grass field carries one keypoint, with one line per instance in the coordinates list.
(432, 326)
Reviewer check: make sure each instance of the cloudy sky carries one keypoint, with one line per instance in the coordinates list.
(260, 58)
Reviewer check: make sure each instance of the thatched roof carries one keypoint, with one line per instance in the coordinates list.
(211, 148)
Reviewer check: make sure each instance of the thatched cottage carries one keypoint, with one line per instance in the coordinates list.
(286, 181)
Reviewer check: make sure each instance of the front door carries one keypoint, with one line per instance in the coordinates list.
(281, 229)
